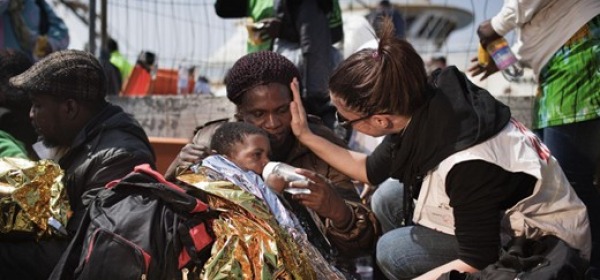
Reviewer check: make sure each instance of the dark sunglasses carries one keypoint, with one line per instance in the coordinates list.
(347, 124)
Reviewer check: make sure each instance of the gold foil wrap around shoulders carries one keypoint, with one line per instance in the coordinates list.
(31, 196)
(249, 242)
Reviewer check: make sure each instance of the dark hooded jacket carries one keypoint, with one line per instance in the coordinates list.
(106, 149)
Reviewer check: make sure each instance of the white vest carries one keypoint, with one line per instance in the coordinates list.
(552, 209)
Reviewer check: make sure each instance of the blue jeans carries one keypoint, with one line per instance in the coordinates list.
(577, 148)
(386, 203)
(407, 252)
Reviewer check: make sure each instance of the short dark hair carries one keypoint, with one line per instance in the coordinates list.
(258, 68)
(112, 45)
(146, 59)
(12, 63)
(65, 74)
(231, 133)
(389, 79)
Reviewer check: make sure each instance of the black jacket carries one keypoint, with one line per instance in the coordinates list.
(106, 149)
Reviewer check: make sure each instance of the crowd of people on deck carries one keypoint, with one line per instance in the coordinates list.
(468, 177)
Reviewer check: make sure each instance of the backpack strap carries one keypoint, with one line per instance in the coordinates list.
(143, 176)
(69, 260)
(196, 237)
(146, 169)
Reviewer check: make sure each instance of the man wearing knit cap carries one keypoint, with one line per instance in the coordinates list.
(259, 85)
(93, 141)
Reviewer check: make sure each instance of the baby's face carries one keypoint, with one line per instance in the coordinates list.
(252, 154)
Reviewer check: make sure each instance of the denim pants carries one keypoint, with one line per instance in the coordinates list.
(576, 146)
(407, 252)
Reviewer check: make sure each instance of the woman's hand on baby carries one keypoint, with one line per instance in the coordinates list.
(299, 122)
(322, 198)
(191, 154)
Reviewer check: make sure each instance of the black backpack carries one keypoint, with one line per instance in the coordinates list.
(548, 258)
(140, 227)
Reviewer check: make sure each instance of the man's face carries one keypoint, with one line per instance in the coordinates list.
(46, 118)
(268, 107)
(252, 153)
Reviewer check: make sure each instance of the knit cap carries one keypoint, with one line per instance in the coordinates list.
(258, 68)
(67, 74)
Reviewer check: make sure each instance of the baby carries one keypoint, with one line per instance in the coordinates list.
(242, 151)
(247, 146)
(244, 144)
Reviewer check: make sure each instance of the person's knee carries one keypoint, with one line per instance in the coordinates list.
(387, 204)
(385, 256)
(377, 202)
(391, 259)
(387, 193)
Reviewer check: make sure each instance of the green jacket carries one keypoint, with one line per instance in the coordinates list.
(119, 61)
(11, 147)
(257, 11)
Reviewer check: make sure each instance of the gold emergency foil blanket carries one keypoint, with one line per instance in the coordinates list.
(31, 192)
(249, 243)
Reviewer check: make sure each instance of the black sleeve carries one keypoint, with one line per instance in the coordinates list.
(313, 27)
(379, 162)
(479, 192)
